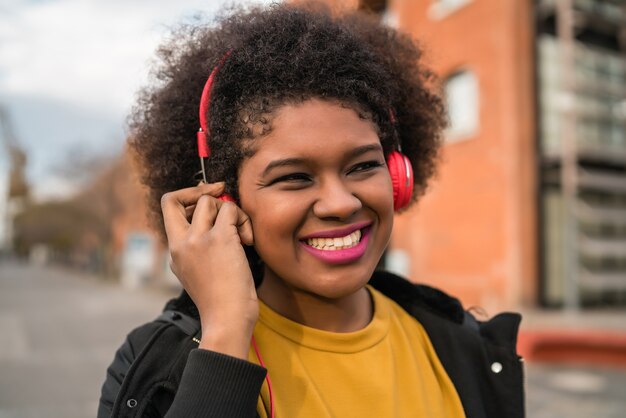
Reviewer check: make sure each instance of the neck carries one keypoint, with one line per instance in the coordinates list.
(347, 313)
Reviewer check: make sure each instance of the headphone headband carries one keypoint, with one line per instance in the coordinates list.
(399, 165)
(205, 100)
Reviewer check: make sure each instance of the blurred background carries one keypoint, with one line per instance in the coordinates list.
(527, 212)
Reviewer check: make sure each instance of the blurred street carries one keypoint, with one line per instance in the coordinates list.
(59, 331)
(554, 391)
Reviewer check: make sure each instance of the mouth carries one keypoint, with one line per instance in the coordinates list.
(339, 246)
(336, 243)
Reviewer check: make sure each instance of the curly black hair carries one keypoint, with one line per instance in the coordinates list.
(277, 55)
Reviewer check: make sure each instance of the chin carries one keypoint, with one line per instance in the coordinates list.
(338, 286)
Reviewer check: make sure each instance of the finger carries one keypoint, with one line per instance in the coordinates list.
(213, 189)
(231, 215)
(174, 204)
(204, 214)
(226, 220)
(244, 226)
(189, 210)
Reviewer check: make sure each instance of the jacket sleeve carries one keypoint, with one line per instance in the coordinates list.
(217, 385)
(212, 384)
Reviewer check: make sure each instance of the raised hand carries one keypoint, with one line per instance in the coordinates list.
(205, 237)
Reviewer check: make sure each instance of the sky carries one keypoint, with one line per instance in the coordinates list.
(69, 72)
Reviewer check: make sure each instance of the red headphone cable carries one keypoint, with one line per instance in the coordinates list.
(267, 376)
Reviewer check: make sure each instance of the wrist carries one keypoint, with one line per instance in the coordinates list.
(231, 341)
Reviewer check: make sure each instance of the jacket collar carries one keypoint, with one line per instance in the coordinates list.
(414, 296)
(406, 294)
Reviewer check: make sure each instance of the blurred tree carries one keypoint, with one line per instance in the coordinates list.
(18, 186)
(78, 230)
(60, 226)
(18, 190)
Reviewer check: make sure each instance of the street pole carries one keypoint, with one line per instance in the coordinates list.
(569, 160)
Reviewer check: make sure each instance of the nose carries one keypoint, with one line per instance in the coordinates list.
(336, 201)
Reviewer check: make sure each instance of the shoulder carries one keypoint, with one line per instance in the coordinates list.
(167, 339)
(444, 317)
(121, 364)
(479, 356)
(168, 321)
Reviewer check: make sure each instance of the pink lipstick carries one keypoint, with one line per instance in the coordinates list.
(338, 232)
(343, 255)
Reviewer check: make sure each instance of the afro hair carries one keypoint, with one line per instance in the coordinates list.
(269, 57)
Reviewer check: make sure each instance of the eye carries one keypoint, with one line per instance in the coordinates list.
(292, 178)
(366, 166)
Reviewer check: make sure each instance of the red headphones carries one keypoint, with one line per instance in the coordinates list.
(399, 165)
(401, 173)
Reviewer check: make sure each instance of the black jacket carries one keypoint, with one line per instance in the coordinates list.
(158, 372)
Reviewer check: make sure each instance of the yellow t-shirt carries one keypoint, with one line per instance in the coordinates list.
(387, 369)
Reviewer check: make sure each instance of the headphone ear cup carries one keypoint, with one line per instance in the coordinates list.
(401, 173)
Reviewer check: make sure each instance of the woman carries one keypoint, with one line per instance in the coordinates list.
(310, 126)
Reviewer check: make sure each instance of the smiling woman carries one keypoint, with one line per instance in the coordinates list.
(331, 183)
(314, 128)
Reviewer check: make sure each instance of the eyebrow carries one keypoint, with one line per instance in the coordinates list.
(286, 162)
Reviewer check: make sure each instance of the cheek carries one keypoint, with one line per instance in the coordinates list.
(379, 194)
(274, 222)
(379, 199)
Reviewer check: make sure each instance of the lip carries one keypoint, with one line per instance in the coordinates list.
(335, 233)
(345, 256)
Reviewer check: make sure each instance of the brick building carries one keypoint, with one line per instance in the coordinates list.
(529, 207)
(488, 231)
(474, 234)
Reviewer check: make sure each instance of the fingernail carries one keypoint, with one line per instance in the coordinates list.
(218, 184)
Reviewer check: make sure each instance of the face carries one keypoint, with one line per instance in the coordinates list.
(319, 195)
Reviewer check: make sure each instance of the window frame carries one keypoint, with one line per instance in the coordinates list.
(454, 134)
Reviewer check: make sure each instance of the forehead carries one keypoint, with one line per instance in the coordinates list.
(315, 126)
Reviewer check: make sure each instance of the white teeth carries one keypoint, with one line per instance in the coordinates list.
(332, 244)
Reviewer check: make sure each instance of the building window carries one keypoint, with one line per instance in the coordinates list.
(442, 8)
(380, 8)
(390, 18)
(461, 95)
(373, 6)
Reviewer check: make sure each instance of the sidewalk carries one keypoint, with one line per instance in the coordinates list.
(575, 363)
(595, 337)
(59, 330)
